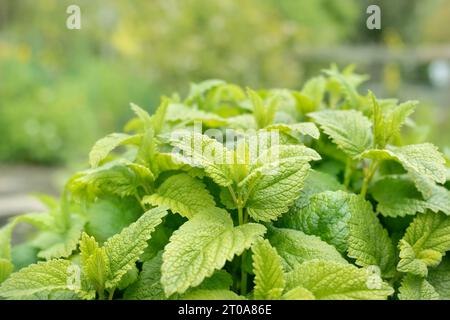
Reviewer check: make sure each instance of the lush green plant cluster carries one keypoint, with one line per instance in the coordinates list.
(338, 207)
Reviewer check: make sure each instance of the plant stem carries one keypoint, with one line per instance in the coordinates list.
(348, 172)
(140, 202)
(368, 177)
(111, 294)
(240, 215)
(233, 195)
(243, 256)
(101, 295)
(243, 276)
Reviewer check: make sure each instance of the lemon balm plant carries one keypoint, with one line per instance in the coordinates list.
(278, 194)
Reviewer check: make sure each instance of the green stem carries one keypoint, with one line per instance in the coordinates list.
(348, 172)
(240, 215)
(233, 195)
(101, 295)
(243, 272)
(139, 199)
(111, 294)
(146, 189)
(368, 177)
(243, 276)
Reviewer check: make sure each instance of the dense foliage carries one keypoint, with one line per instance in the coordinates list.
(336, 207)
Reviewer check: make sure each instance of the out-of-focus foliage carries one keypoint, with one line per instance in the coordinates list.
(60, 89)
(56, 83)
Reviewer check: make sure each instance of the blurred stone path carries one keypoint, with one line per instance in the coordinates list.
(17, 183)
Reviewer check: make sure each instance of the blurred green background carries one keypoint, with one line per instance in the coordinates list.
(60, 89)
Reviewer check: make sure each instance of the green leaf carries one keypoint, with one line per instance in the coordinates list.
(148, 286)
(418, 159)
(263, 111)
(397, 197)
(198, 90)
(208, 153)
(298, 293)
(439, 278)
(368, 241)
(314, 89)
(276, 179)
(219, 280)
(316, 182)
(295, 247)
(108, 216)
(437, 197)
(269, 277)
(425, 242)
(325, 216)
(328, 280)
(177, 112)
(23, 255)
(124, 249)
(345, 83)
(60, 244)
(142, 115)
(202, 245)
(416, 288)
(6, 268)
(203, 294)
(94, 261)
(159, 117)
(104, 146)
(113, 178)
(387, 122)
(350, 130)
(182, 194)
(5, 240)
(40, 277)
(303, 128)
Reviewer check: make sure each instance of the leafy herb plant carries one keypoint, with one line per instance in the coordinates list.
(340, 204)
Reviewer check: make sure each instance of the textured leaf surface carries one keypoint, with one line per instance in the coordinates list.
(425, 242)
(148, 286)
(418, 159)
(350, 130)
(397, 197)
(269, 277)
(94, 261)
(328, 280)
(282, 176)
(40, 277)
(298, 293)
(182, 194)
(178, 112)
(439, 278)
(200, 150)
(437, 197)
(295, 247)
(388, 121)
(303, 128)
(416, 288)
(204, 294)
(124, 249)
(61, 244)
(368, 241)
(104, 146)
(202, 245)
(326, 216)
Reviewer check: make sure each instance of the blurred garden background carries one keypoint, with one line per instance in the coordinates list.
(61, 90)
